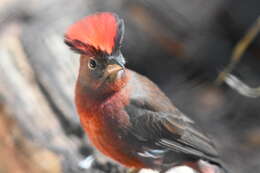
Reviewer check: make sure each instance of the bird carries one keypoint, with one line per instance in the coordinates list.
(124, 114)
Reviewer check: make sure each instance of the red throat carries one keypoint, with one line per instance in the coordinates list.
(98, 30)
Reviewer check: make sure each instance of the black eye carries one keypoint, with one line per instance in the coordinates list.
(92, 64)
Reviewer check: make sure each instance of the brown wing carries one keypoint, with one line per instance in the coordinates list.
(157, 121)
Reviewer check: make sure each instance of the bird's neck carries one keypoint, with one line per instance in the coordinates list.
(93, 97)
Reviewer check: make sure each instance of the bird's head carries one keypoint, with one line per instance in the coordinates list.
(98, 39)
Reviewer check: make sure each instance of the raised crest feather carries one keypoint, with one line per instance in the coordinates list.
(98, 32)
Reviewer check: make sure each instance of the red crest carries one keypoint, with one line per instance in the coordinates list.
(98, 31)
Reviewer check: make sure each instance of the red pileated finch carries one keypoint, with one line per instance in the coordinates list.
(125, 115)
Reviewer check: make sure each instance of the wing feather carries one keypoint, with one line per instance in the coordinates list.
(155, 120)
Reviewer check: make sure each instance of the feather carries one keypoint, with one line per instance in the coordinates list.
(164, 125)
(100, 31)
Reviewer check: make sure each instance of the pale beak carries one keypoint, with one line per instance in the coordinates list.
(111, 73)
(118, 59)
(113, 69)
(115, 65)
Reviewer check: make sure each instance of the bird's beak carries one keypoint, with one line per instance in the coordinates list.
(116, 64)
(118, 59)
(113, 69)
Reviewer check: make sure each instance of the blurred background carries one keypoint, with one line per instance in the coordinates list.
(182, 45)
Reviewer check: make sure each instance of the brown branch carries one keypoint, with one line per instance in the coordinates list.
(238, 52)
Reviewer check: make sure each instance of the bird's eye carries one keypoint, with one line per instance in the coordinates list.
(92, 64)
